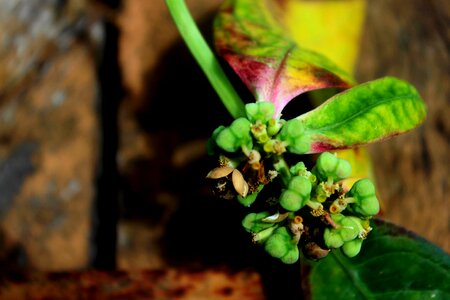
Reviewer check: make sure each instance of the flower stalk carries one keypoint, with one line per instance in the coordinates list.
(205, 57)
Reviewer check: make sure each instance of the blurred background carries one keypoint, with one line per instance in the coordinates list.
(104, 116)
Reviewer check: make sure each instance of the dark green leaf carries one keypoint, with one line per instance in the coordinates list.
(393, 264)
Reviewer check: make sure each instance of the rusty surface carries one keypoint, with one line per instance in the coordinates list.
(144, 284)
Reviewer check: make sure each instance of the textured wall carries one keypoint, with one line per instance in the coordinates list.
(49, 132)
(412, 42)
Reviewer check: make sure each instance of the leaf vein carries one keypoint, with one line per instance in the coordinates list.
(361, 112)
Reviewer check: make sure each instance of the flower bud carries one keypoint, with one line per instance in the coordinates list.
(237, 135)
(366, 203)
(301, 185)
(281, 245)
(260, 111)
(352, 248)
(253, 222)
(349, 229)
(344, 169)
(211, 144)
(329, 165)
(291, 200)
(227, 141)
(332, 238)
(326, 163)
(291, 256)
(277, 245)
(292, 134)
(241, 128)
(299, 145)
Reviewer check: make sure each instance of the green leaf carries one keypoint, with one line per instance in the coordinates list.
(251, 36)
(393, 264)
(366, 113)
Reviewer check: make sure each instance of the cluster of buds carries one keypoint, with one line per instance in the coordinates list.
(306, 209)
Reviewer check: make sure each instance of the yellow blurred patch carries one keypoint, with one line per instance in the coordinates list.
(332, 28)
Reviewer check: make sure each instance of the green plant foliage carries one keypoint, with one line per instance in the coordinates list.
(393, 264)
(366, 113)
(317, 210)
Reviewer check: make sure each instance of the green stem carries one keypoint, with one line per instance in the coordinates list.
(205, 57)
(282, 168)
(314, 205)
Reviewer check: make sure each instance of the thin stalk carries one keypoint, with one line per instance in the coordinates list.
(205, 57)
(282, 168)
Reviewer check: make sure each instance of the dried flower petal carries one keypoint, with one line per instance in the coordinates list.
(239, 183)
(219, 172)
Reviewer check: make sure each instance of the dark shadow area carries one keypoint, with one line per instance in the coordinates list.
(204, 231)
(182, 106)
(105, 208)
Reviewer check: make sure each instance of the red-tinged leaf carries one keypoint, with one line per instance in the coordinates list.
(364, 114)
(251, 36)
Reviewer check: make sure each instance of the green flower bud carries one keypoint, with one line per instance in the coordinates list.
(279, 243)
(298, 169)
(291, 129)
(227, 140)
(332, 238)
(326, 163)
(291, 200)
(291, 256)
(237, 135)
(362, 188)
(299, 145)
(349, 229)
(352, 248)
(369, 206)
(276, 245)
(302, 186)
(329, 165)
(241, 127)
(252, 222)
(344, 169)
(211, 144)
(338, 218)
(260, 111)
(366, 203)
(292, 134)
